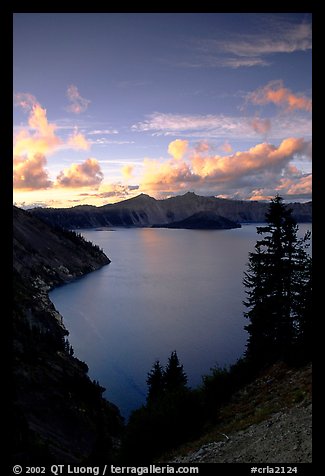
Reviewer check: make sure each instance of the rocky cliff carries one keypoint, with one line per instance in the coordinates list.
(59, 414)
(143, 211)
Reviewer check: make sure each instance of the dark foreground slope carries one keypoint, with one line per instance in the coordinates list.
(267, 421)
(145, 211)
(59, 414)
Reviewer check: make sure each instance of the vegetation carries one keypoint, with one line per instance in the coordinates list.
(172, 414)
(80, 241)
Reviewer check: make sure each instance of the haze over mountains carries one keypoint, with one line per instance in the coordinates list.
(145, 211)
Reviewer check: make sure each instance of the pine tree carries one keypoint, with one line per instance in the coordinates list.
(175, 377)
(156, 382)
(278, 273)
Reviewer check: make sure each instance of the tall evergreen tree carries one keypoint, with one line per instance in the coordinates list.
(155, 382)
(278, 272)
(175, 377)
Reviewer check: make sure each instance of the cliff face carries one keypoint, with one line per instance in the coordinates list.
(59, 413)
(146, 211)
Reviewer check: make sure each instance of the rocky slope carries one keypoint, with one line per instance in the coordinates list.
(146, 211)
(268, 421)
(59, 414)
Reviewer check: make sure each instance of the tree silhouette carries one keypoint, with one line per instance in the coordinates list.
(278, 275)
(156, 382)
(175, 377)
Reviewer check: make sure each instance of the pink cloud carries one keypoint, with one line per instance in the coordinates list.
(78, 104)
(226, 147)
(85, 174)
(243, 170)
(261, 126)
(32, 144)
(274, 92)
(25, 100)
(30, 173)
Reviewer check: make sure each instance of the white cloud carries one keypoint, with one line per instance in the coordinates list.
(272, 35)
(105, 141)
(103, 132)
(221, 126)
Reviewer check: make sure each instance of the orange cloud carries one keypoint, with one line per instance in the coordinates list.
(302, 187)
(30, 173)
(127, 171)
(42, 140)
(78, 141)
(296, 186)
(31, 145)
(274, 92)
(261, 156)
(78, 104)
(241, 170)
(168, 176)
(81, 175)
(177, 148)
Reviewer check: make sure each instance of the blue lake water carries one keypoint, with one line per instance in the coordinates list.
(164, 290)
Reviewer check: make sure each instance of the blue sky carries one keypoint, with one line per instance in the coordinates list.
(110, 105)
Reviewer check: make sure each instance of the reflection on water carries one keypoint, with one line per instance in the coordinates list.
(164, 290)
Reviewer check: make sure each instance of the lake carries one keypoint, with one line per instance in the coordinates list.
(164, 290)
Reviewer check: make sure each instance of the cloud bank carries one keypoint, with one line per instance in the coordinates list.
(259, 171)
(35, 142)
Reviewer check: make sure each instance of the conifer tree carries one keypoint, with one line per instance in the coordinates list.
(278, 274)
(175, 377)
(156, 382)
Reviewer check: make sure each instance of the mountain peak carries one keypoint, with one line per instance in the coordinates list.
(143, 196)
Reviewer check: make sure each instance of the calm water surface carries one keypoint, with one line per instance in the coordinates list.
(164, 290)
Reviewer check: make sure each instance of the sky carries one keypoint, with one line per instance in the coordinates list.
(110, 105)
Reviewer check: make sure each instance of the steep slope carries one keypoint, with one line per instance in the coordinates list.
(146, 211)
(59, 414)
(267, 421)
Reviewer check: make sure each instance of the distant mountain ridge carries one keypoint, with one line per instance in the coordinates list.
(145, 211)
